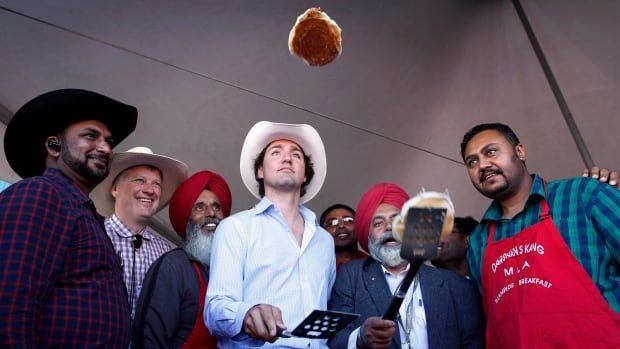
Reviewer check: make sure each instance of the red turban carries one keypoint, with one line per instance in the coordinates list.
(380, 193)
(187, 193)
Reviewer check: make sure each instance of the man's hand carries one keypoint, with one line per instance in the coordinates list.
(376, 333)
(604, 175)
(263, 321)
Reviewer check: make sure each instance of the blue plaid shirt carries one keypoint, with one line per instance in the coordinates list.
(60, 281)
(587, 215)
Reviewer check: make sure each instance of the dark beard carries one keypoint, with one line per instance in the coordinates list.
(348, 248)
(92, 175)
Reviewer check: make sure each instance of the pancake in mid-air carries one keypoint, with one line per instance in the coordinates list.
(315, 38)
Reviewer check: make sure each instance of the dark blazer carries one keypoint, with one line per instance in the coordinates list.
(451, 303)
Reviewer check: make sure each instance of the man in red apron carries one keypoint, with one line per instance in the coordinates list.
(170, 309)
(547, 254)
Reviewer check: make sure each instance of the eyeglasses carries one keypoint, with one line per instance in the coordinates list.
(334, 222)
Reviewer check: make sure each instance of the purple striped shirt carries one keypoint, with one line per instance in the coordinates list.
(136, 261)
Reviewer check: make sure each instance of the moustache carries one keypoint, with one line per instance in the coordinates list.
(210, 221)
(385, 238)
(491, 171)
(104, 158)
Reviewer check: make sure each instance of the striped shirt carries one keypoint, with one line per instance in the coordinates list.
(136, 262)
(587, 215)
(60, 280)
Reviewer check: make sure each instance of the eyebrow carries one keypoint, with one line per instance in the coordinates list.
(475, 155)
(280, 146)
(98, 132)
(90, 129)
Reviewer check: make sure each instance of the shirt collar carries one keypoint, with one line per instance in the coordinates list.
(265, 205)
(494, 212)
(123, 231)
(72, 188)
(402, 272)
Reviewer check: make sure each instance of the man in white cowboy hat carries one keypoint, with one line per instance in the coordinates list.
(139, 185)
(60, 280)
(273, 264)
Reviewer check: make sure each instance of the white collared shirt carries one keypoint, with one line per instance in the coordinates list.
(256, 259)
(418, 336)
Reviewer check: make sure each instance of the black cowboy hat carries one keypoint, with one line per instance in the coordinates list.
(51, 113)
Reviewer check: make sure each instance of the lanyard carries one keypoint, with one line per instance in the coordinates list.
(408, 327)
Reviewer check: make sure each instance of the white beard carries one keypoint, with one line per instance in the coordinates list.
(198, 244)
(386, 255)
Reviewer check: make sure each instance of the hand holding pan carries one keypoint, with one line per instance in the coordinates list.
(422, 221)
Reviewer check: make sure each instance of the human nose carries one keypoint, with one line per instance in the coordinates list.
(210, 211)
(149, 188)
(484, 162)
(104, 147)
(286, 157)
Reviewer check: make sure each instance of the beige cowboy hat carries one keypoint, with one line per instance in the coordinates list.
(173, 171)
(265, 132)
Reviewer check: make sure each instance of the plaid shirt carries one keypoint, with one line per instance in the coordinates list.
(587, 215)
(60, 280)
(152, 247)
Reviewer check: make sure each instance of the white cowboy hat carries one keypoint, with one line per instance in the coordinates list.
(265, 132)
(173, 171)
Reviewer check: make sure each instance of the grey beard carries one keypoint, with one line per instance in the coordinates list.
(386, 255)
(198, 244)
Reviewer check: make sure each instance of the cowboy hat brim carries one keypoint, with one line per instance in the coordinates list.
(265, 132)
(174, 172)
(51, 113)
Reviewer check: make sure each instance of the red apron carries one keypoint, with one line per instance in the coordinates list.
(537, 295)
(200, 336)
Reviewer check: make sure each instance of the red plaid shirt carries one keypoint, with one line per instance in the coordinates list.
(60, 280)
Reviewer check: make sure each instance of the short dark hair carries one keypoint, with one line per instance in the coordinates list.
(465, 225)
(501, 128)
(333, 207)
(308, 167)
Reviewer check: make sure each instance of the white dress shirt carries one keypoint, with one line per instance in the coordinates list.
(256, 259)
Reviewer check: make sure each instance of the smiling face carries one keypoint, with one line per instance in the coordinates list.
(136, 192)
(381, 243)
(283, 167)
(86, 153)
(495, 167)
(206, 213)
(339, 222)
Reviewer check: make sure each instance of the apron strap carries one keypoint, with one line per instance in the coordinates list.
(545, 213)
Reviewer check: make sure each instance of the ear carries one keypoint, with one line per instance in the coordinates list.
(52, 146)
(260, 173)
(520, 151)
(114, 190)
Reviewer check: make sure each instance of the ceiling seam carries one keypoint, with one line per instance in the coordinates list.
(279, 101)
(555, 87)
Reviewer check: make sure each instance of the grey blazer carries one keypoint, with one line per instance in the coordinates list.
(454, 316)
